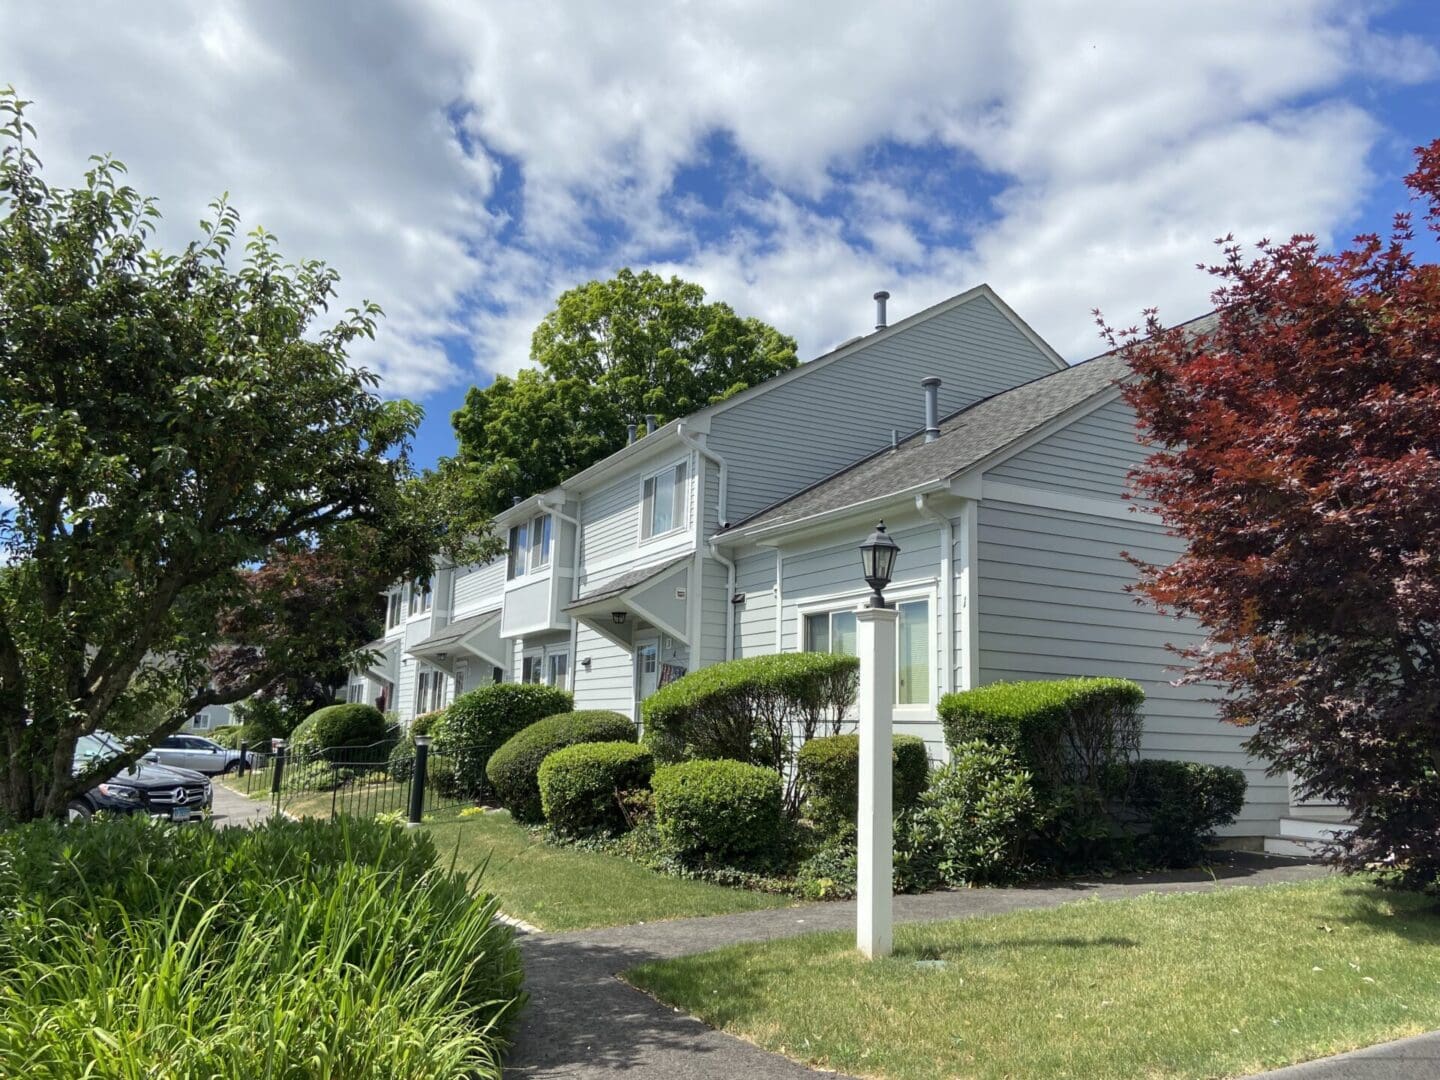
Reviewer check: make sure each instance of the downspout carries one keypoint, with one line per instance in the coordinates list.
(947, 589)
(574, 523)
(720, 520)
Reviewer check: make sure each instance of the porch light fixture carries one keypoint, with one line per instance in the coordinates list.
(618, 618)
(877, 562)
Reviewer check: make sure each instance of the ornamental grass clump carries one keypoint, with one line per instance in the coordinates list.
(514, 769)
(247, 953)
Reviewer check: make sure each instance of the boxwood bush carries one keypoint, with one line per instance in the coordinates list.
(580, 785)
(477, 723)
(336, 726)
(1178, 805)
(757, 709)
(514, 769)
(719, 813)
(829, 770)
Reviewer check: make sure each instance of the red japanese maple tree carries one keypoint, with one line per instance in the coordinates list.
(1297, 452)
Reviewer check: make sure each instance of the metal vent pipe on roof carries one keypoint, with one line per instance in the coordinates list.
(880, 298)
(932, 407)
(630, 433)
(650, 423)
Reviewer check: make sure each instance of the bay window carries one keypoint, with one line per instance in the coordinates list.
(529, 547)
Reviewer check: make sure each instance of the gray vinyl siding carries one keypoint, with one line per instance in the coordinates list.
(713, 602)
(478, 586)
(610, 526)
(807, 428)
(1053, 605)
(1091, 456)
(755, 618)
(405, 692)
(609, 681)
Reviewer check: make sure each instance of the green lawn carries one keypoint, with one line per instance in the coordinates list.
(559, 888)
(1182, 985)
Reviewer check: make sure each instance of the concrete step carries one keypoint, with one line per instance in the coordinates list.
(1299, 828)
(1295, 849)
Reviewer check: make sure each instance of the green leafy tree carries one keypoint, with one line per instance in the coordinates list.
(205, 495)
(611, 352)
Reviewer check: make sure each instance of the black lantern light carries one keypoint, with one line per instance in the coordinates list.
(877, 560)
(618, 618)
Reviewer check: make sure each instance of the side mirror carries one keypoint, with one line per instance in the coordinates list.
(152, 757)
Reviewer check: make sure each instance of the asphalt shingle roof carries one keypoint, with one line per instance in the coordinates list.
(966, 438)
(625, 582)
(450, 635)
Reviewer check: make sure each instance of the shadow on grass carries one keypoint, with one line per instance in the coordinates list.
(931, 952)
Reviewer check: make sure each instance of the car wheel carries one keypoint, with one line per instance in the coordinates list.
(232, 767)
(78, 811)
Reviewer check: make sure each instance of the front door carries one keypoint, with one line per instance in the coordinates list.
(647, 667)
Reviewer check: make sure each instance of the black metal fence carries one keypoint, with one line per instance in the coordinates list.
(387, 777)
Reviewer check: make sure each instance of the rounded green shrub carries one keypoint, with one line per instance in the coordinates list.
(976, 818)
(227, 735)
(724, 813)
(579, 785)
(334, 727)
(514, 768)
(477, 723)
(1179, 804)
(830, 777)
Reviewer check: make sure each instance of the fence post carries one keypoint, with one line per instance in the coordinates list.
(275, 777)
(417, 779)
(244, 749)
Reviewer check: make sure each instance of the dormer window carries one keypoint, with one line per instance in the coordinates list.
(662, 508)
(529, 547)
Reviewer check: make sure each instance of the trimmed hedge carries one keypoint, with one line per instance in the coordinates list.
(579, 785)
(733, 710)
(513, 770)
(829, 770)
(477, 723)
(227, 735)
(1182, 802)
(1063, 731)
(337, 726)
(719, 813)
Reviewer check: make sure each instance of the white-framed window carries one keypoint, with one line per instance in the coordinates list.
(355, 693)
(201, 721)
(395, 609)
(420, 596)
(529, 547)
(663, 502)
(557, 670)
(834, 631)
(532, 667)
(422, 690)
(462, 669)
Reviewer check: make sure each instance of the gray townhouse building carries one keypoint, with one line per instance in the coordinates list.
(999, 469)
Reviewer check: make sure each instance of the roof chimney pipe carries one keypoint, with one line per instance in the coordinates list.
(880, 298)
(629, 433)
(514, 500)
(932, 407)
(650, 419)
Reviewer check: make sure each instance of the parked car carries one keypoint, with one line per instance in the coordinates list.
(198, 753)
(144, 788)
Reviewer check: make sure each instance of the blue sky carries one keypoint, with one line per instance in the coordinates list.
(463, 164)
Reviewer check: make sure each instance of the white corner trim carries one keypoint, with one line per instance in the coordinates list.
(1118, 509)
(969, 650)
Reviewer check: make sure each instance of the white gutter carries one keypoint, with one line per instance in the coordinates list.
(574, 523)
(720, 501)
(947, 589)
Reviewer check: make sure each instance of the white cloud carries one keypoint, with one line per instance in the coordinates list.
(1121, 139)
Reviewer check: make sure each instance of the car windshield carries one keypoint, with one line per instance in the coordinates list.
(90, 747)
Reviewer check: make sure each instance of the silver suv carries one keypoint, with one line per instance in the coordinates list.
(195, 752)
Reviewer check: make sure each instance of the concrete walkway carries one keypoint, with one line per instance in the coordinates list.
(231, 808)
(1417, 1058)
(582, 1022)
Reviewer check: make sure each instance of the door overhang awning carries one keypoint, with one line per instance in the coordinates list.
(655, 594)
(475, 635)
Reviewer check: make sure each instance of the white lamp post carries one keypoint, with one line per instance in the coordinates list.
(875, 633)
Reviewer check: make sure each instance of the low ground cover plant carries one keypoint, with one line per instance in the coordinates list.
(288, 950)
(513, 770)
(584, 788)
(477, 723)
